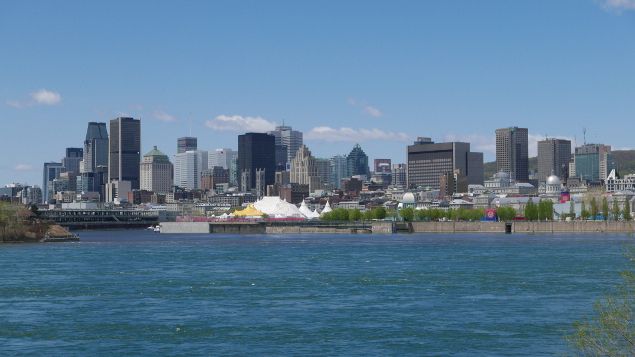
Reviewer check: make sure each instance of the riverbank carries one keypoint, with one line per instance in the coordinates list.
(387, 227)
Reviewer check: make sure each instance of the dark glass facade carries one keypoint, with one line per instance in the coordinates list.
(256, 151)
(125, 151)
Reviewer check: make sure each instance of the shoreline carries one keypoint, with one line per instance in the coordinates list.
(387, 227)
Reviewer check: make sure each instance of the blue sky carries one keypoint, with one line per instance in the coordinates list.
(375, 72)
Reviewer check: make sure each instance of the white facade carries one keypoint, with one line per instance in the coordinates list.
(188, 167)
(221, 158)
(614, 184)
(156, 172)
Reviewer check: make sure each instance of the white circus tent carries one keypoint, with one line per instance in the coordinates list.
(327, 208)
(274, 207)
(306, 211)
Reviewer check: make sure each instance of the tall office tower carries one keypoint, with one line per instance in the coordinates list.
(339, 170)
(399, 175)
(186, 143)
(593, 162)
(323, 167)
(428, 162)
(50, 173)
(72, 159)
(553, 158)
(357, 162)
(286, 136)
(221, 158)
(304, 170)
(95, 147)
(256, 151)
(512, 152)
(125, 151)
(381, 166)
(156, 172)
(188, 167)
(282, 154)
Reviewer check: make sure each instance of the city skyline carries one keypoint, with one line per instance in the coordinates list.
(388, 84)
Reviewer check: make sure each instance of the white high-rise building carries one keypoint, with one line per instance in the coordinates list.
(221, 158)
(156, 172)
(188, 167)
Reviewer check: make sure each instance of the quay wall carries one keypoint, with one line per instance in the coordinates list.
(391, 227)
(185, 227)
(458, 227)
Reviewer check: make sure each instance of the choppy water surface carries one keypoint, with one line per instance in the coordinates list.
(140, 293)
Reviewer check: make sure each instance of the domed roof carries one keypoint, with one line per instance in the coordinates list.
(553, 180)
(408, 197)
(155, 152)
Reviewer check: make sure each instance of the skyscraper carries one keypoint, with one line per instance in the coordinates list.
(339, 170)
(95, 147)
(125, 151)
(357, 162)
(428, 162)
(593, 162)
(304, 170)
(51, 172)
(256, 151)
(221, 158)
(186, 143)
(72, 159)
(286, 136)
(512, 152)
(156, 172)
(553, 158)
(188, 167)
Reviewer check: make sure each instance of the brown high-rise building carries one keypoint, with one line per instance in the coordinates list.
(512, 152)
(553, 158)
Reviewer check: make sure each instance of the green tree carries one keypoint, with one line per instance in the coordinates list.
(611, 332)
(407, 214)
(379, 213)
(615, 212)
(594, 208)
(354, 215)
(368, 215)
(626, 213)
(506, 213)
(531, 211)
(584, 214)
(605, 208)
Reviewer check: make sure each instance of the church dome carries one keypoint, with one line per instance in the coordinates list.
(553, 180)
(408, 198)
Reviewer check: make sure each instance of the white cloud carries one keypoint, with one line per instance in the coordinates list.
(240, 123)
(163, 116)
(366, 108)
(23, 167)
(326, 133)
(39, 97)
(46, 97)
(618, 5)
(372, 111)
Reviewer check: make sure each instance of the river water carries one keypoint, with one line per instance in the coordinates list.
(142, 293)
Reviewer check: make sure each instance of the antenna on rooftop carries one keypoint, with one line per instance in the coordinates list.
(584, 133)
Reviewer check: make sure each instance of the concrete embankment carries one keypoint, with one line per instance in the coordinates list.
(390, 227)
(275, 228)
(524, 227)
